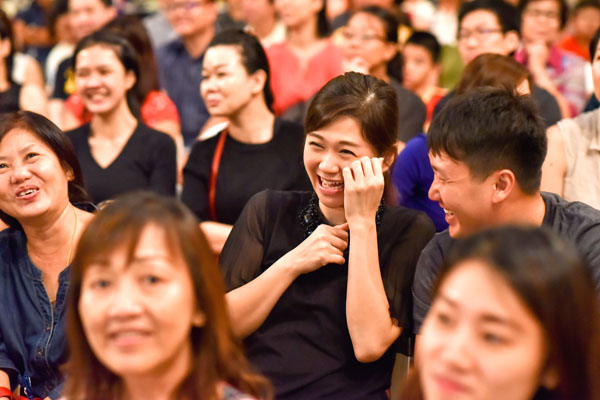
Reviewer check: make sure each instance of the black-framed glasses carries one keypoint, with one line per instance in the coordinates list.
(477, 33)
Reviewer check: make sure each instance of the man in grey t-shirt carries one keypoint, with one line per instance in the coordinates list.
(486, 150)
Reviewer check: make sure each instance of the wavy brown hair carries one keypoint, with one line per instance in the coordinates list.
(217, 356)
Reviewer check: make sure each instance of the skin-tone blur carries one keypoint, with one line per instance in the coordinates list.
(489, 349)
(137, 313)
(87, 16)
(480, 32)
(419, 71)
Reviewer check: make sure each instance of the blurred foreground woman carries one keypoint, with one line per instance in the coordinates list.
(515, 316)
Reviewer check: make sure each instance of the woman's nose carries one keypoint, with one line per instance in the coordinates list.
(329, 164)
(125, 301)
(456, 352)
(20, 173)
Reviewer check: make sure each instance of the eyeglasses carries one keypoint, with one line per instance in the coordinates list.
(477, 33)
(363, 37)
(184, 5)
(535, 13)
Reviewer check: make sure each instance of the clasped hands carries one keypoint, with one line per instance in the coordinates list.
(363, 190)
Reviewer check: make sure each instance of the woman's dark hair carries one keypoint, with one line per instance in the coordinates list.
(58, 9)
(390, 27)
(323, 28)
(131, 28)
(594, 45)
(54, 138)
(564, 10)
(493, 70)
(553, 283)
(370, 102)
(6, 32)
(216, 353)
(124, 52)
(252, 54)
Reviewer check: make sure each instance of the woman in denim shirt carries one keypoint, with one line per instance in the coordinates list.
(40, 179)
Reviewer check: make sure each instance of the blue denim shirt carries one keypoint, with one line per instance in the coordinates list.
(32, 332)
(180, 76)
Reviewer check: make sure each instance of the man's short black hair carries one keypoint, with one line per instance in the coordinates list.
(507, 14)
(427, 41)
(490, 129)
(564, 10)
(581, 4)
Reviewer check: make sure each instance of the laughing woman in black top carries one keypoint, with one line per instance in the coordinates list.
(255, 152)
(320, 283)
(117, 152)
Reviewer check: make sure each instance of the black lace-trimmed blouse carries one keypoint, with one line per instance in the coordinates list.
(304, 346)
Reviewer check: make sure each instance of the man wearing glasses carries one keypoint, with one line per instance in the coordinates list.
(491, 26)
(559, 72)
(180, 61)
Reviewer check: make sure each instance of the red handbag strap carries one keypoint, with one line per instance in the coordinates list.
(214, 172)
(5, 392)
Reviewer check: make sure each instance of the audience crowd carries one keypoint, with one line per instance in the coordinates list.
(300, 199)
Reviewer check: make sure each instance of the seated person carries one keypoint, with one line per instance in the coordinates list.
(486, 149)
(370, 45)
(118, 153)
(514, 316)
(255, 152)
(41, 195)
(306, 60)
(16, 96)
(572, 164)
(561, 73)
(491, 26)
(585, 21)
(319, 315)
(147, 313)
(421, 69)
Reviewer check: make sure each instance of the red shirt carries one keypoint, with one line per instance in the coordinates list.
(290, 83)
(157, 107)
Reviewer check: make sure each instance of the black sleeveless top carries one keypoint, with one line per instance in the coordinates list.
(9, 99)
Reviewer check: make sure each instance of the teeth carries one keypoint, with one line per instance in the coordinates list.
(26, 192)
(448, 212)
(332, 184)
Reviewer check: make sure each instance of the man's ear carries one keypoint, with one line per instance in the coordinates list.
(504, 182)
(549, 378)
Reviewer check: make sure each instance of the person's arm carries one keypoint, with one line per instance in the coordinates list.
(250, 304)
(34, 74)
(216, 233)
(164, 173)
(33, 98)
(555, 164)
(538, 54)
(372, 329)
(4, 381)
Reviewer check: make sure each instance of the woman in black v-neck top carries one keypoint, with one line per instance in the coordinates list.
(255, 152)
(116, 151)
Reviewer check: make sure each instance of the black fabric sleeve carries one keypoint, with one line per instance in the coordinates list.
(196, 175)
(242, 255)
(428, 267)
(411, 116)
(62, 74)
(164, 173)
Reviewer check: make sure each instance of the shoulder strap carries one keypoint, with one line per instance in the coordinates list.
(214, 172)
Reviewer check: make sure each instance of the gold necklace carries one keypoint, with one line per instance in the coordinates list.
(72, 237)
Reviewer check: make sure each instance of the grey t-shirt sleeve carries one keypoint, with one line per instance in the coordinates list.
(428, 267)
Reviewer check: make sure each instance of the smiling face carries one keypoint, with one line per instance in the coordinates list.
(226, 85)
(137, 314)
(101, 79)
(326, 152)
(365, 37)
(488, 349)
(33, 183)
(466, 200)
